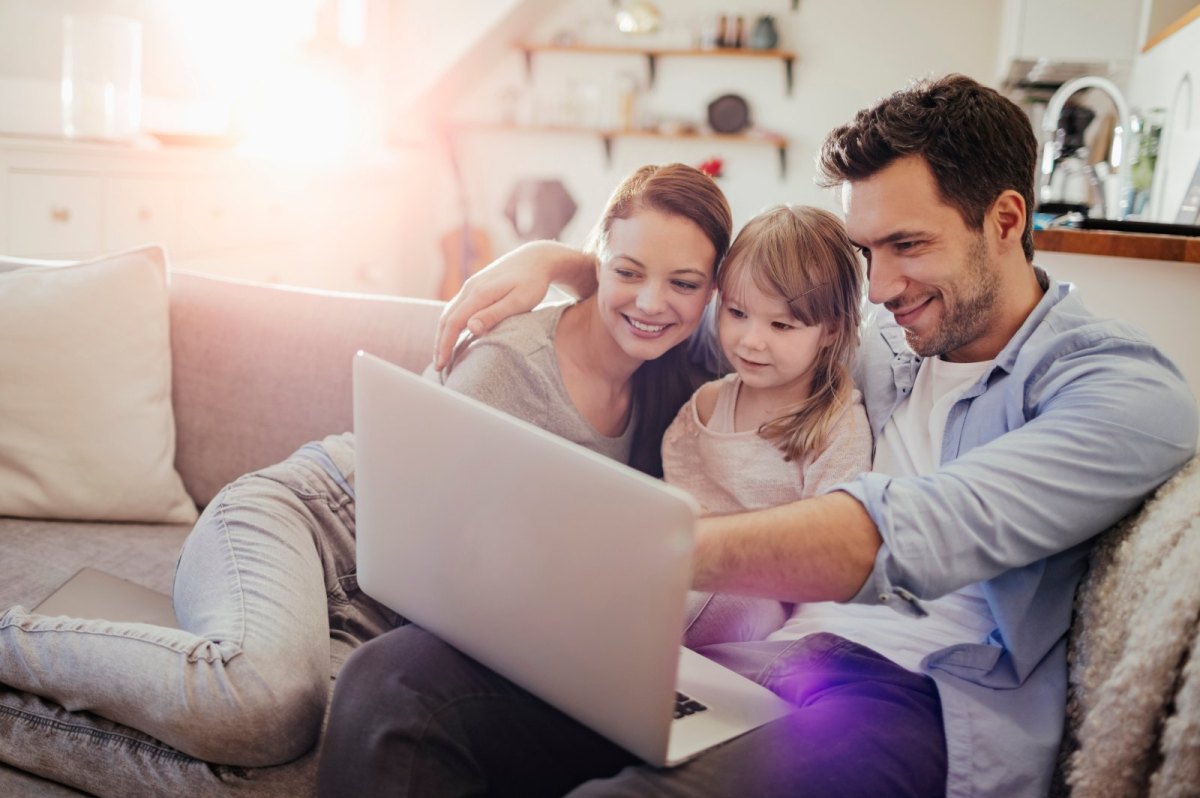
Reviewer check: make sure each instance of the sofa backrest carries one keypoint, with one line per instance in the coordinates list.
(260, 370)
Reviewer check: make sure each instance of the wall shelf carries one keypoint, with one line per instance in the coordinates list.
(607, 136)
(653, 54)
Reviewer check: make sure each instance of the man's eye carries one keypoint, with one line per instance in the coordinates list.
(866, 253)
(904, 246)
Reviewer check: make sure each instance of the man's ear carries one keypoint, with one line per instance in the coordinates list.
(1007, 218)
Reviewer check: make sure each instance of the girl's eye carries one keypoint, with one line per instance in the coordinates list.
(737, 314)
(782, 325)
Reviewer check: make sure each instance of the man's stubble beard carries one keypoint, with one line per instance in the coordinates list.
(978, 292)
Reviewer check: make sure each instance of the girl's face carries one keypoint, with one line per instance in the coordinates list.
(655, 277)
(767, 346)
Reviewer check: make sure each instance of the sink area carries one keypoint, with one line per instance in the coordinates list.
(1130, 226)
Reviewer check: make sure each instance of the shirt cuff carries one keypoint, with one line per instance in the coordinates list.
(869, 490)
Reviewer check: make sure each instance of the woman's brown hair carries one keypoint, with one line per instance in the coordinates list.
(661, 386)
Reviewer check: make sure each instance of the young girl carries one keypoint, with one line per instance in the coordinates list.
(788, 423)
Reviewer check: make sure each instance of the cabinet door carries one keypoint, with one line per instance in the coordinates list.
(142, 211)
(53, 214)
(233, 212)
(1072, 30)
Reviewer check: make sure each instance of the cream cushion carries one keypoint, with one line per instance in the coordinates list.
(87, 430)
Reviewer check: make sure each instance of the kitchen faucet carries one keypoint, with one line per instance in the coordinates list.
(1112, 176)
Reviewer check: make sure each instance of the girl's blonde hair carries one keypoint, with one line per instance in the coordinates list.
(803, 255)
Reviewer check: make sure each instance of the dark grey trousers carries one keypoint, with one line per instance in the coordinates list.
(414, 717)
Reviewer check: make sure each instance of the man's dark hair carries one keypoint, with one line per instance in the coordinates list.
(977, 144)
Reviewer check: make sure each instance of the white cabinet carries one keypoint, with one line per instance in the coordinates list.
(53, 214)
(141, 210)
(1100, 32)
(214, 211)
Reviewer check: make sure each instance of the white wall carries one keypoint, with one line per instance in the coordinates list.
(849, 52)
(1161, 297)
(1168, 76)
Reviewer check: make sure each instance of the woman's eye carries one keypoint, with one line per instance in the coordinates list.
(685, 286)
(626, 274)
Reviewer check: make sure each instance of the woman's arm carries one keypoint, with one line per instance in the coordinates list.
(512, 284)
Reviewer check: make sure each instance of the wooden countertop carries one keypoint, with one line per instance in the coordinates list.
(1185, 249)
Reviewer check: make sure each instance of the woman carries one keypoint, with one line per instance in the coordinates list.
(265, 590)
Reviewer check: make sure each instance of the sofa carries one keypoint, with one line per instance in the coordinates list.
(255, 371)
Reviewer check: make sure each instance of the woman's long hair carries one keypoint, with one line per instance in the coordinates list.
(803, 255)
(661, 386)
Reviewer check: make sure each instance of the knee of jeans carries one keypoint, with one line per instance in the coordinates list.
(263, 722)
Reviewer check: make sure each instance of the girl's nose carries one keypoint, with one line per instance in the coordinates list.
(753, 337)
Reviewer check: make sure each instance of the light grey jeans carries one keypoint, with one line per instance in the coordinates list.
(268, 606)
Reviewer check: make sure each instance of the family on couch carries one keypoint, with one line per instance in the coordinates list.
(927, 650)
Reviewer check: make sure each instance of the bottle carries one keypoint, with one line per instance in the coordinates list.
(765, 35)
(722, 31)
(1147, 131)
(739, 32)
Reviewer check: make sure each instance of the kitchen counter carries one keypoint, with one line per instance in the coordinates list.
(1185, 249)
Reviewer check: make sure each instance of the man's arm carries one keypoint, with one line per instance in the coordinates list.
(820, 549)
(512, 284)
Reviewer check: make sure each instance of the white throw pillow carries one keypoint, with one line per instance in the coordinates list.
(87, 431)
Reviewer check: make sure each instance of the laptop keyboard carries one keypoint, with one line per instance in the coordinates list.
(686, 705)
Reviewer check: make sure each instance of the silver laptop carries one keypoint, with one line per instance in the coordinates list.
(91, 593)
(559, 568)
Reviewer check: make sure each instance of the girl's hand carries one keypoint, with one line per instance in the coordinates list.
(514, 283)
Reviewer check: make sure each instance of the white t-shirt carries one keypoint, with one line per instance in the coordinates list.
(910, 445)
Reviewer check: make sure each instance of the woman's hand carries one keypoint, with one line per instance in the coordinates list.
(514, 283)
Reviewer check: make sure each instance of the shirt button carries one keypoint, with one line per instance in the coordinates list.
(884, 597)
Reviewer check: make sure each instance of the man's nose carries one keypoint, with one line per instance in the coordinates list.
(884, 280)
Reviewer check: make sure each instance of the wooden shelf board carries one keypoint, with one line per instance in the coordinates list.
(774, 139)
(1171, 29)
(736, 52)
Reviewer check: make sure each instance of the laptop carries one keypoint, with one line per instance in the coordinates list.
(92, 593)
(557, 567)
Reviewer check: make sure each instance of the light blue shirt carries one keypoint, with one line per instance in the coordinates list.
(1076, 421)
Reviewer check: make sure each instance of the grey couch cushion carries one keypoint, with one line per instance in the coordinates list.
(38, 556)
(260, 370)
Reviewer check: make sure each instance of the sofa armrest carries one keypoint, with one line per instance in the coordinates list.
(259, 370)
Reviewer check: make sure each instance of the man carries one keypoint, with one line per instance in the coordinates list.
(1011, 427)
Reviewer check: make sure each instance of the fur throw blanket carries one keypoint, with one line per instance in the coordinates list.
(1133, 716)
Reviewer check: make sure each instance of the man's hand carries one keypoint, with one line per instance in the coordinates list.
(514, 283)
